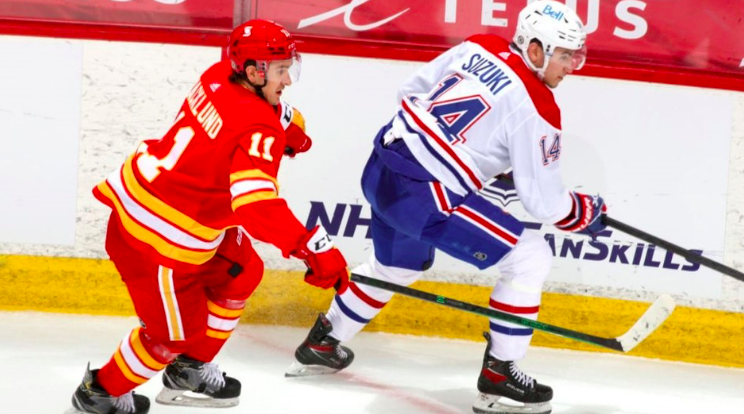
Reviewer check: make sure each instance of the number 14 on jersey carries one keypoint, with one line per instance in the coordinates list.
(550, 152)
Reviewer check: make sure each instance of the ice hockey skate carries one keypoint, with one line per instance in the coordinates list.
(91, 398)
(191, 383)
(505, 389)
(320, 353)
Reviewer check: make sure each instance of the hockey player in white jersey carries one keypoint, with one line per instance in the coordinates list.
(478, 110)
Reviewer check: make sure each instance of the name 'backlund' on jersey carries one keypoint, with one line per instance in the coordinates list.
(204, 111)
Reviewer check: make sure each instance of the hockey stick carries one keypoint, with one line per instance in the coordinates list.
(666, 245)
(687, 254)
(649, 321)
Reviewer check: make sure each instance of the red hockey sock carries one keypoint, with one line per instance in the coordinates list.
(137, 359)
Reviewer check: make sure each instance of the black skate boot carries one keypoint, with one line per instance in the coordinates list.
(91, 398)
(205, 384)
(320, 353)
(503, 379)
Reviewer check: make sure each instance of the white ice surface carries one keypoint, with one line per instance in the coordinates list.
(43, 357)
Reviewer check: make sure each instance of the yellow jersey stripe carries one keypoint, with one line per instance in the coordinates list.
(141, 195)
(164, 247)
(252, 198)
(253, 174)
(170, 303)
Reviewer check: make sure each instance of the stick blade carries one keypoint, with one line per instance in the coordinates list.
(659, 311)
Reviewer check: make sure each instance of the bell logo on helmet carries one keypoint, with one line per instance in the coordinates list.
(548, 10)
(554, 25)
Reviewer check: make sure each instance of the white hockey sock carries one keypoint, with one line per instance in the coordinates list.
(358, 305)
(518, 291)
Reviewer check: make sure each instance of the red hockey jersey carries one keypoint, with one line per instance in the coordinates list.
(214, 169)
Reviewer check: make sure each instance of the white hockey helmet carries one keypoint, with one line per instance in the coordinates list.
(555, 25)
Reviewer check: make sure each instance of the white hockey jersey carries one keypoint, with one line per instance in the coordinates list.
(478, 110)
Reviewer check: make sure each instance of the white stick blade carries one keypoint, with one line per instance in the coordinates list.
(659, 311)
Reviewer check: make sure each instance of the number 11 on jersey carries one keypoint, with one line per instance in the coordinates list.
(150, 165)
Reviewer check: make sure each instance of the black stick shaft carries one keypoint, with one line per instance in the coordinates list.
(650, 238)
(610, 343)
(690, 256)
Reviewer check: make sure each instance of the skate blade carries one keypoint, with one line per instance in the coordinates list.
(189, 399)
(73, 410)
(298, 369)
(497, 404)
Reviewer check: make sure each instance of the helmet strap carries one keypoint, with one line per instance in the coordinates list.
(262, 67)
(258, 88)
(540, 72)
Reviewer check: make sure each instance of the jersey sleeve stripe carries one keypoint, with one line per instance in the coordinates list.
(253, 174)
(157, 241)
(253, 197)
(475, 182)
(249, 185)
(158, 208)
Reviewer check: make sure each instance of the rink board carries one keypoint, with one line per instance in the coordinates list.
(92, 286)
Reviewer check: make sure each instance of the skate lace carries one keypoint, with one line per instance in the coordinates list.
(520, 376)
(341, 353)
(125, 402)
(211, 373)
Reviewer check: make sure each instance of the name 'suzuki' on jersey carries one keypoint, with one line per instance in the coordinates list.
(204, 111)
(487, 72)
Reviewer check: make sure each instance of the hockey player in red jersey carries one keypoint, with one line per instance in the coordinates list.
(478, 110)
(180, 207)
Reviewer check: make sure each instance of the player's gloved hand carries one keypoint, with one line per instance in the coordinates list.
(585, 216)
(297, 141)
(506, 178)
(326, 265)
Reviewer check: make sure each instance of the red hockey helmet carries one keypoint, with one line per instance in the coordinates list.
(262, 41)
